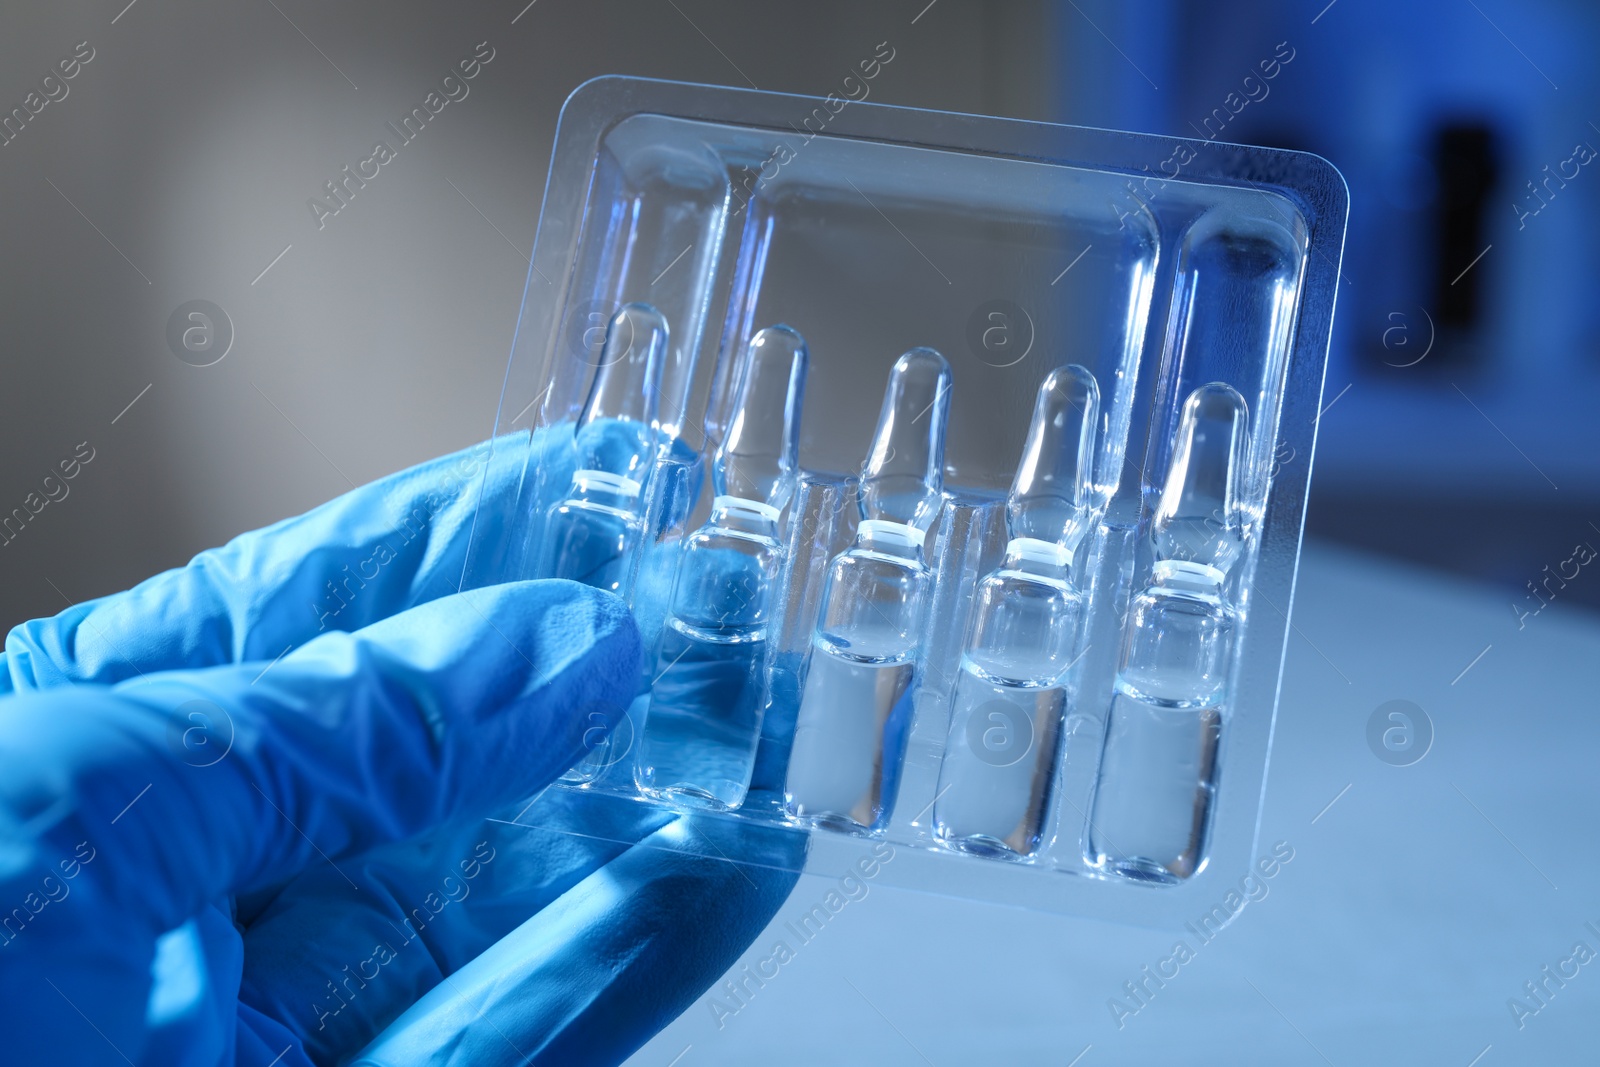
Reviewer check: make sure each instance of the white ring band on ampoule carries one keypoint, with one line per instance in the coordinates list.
(1038, 550)
(742, 503)
(902, 532)
(605, 480)
(1184, 568)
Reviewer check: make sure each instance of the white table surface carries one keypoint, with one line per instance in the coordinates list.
(1415, 906)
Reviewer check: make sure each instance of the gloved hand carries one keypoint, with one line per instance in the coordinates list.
(242, 810)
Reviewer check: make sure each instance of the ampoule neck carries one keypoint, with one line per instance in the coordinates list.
(889, 538)
(1033, 557)
(741, 515)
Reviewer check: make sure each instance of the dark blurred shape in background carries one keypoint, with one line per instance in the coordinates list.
(1466, 167)
(1459, 426)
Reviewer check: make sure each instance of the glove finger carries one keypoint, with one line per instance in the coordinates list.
(335, 964)
(598, 972)
(387, 546)
(443, 712)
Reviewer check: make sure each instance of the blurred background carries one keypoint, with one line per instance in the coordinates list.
(1459, 436)
(178, 167)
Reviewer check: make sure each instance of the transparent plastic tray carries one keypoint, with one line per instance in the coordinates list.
(1013, 248)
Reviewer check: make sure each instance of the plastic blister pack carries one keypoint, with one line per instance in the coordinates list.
(954, 468)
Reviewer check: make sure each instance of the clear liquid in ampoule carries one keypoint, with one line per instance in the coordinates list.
(850, 733)
(707, 684)
(1158, 767)
(708, 681)
(856, 699)
(1158, 782)
(997, 777)
(705, 715)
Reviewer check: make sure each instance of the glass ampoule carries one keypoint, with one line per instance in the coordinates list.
(707, 680)
(1152, 803)
(591, 535)
(1011, 696)
(855, 704)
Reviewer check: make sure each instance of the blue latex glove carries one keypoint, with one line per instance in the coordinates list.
(242, 810)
